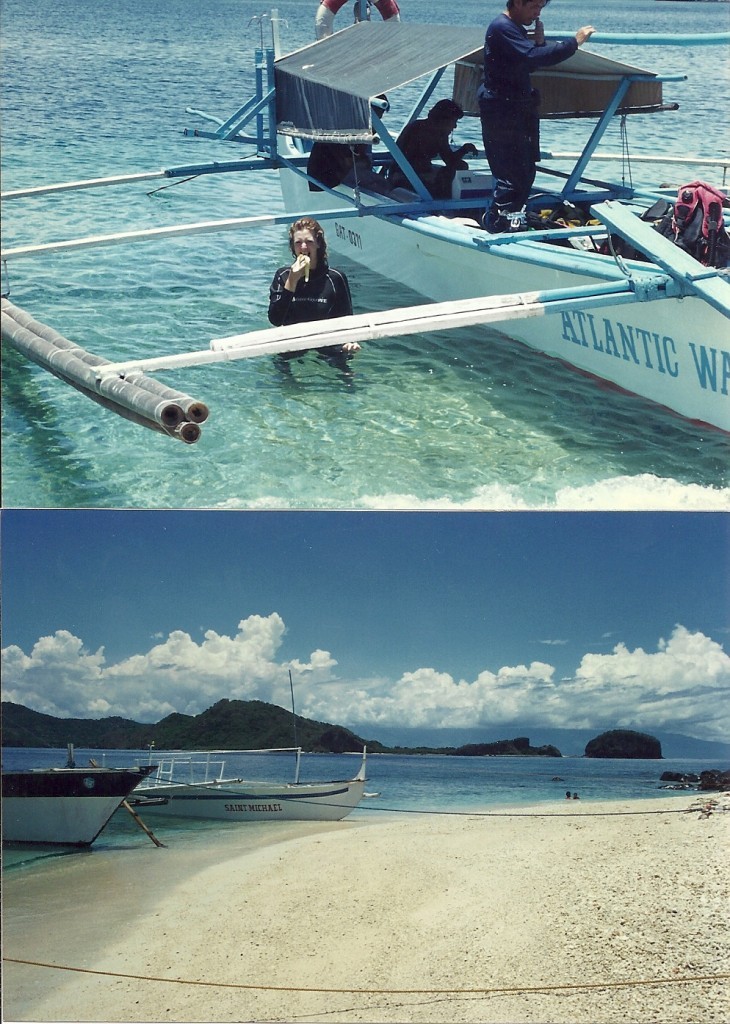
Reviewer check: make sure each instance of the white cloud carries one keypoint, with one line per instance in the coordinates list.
(179, 674)
(677, 687)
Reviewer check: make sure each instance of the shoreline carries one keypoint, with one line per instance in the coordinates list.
(630, 897)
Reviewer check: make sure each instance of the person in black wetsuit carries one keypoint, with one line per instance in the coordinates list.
(310, 289)
(508, 105)
(428, 139)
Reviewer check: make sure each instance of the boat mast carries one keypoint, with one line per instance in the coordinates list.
(294, 720)
(275, 32)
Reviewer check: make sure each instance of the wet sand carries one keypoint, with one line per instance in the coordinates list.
(585, 915)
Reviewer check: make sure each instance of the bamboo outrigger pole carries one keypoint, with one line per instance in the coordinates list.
(239, 166)
(155, 234)
(658, 39)
(393, 323)
(74, 186)
(136, 397)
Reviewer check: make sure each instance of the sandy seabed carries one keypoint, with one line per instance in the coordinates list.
(581, 913)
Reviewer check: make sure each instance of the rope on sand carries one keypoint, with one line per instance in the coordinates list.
(497, 989)
(539, 814)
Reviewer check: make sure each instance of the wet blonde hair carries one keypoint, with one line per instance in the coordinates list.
(309, 224)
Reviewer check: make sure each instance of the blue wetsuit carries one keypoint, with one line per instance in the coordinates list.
(508, 106)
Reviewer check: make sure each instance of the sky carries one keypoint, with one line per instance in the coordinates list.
(406, 619)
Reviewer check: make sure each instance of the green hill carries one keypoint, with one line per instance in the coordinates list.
(229, 724)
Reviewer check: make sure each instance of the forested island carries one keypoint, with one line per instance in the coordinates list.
(626, 743)
(228, 724)
(254, 724)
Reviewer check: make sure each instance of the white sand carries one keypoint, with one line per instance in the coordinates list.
(463, 906)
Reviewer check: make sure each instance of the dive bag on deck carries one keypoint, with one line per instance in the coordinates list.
(695, 224)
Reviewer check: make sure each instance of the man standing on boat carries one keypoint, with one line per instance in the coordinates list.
(509, 106)
(310, 289)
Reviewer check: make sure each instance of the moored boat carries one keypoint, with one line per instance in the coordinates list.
(653, 323)
(64, 806)
(195, 786)
(559, 289)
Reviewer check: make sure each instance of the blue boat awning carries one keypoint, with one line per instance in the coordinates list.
(324, 90)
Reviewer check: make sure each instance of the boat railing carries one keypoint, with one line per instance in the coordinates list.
(188, 769)
(201, 767)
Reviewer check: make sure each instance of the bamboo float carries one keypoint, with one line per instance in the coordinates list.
(137, 398)
(193, 410)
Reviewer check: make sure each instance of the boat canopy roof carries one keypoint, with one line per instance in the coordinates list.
(324, 90)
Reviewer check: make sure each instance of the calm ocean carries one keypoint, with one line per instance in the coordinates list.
(403, 784)
(93, 90)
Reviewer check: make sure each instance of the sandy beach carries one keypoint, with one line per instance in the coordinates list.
(573, 913)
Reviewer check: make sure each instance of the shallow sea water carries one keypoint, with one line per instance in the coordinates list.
(398, 784)
(457, 420)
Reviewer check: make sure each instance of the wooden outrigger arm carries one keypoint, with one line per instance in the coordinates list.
(708, 282)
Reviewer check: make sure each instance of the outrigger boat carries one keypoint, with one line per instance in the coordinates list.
(655, 325)
(195, 786)
(64, 806)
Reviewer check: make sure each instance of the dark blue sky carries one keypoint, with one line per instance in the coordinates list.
(387, 591)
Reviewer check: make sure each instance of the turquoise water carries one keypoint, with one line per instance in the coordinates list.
(402, 783)
(435, 421)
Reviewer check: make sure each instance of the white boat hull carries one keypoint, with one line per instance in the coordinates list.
(68, 807)
(238, 801)
(674, 352)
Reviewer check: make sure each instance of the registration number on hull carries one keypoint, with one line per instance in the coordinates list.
(348, 235)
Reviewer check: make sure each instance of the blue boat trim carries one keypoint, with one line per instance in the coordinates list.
(228, 795)
(283, 118)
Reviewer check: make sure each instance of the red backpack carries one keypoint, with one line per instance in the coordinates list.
(696, 224)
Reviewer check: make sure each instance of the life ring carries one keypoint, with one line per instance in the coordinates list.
(325, 17)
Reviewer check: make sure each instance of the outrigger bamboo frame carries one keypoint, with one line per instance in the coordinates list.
(123, 387)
